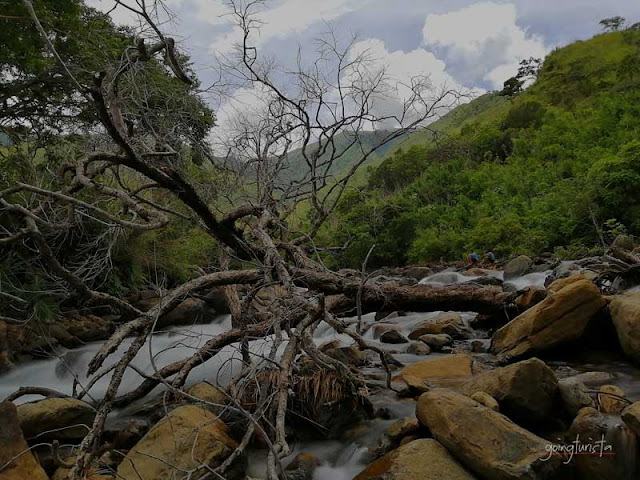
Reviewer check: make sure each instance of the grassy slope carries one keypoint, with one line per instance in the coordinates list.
(575, 78)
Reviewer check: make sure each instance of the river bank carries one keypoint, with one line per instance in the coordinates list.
(560, 363)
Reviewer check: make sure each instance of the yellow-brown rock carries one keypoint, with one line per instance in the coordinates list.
(611, 399)
(560, 283)
(625, 313)
(12, 444)
(448, 322)
(560, 318)
(186, 438)
(487, 400)
(437, 371)
(484, 441)
(214, 397)
(525, 390)
(422, 459)
(59, 418)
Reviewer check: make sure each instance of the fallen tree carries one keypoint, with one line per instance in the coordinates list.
(334, 95)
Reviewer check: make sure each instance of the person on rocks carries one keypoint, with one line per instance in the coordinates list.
(472, 259)
(489, 259)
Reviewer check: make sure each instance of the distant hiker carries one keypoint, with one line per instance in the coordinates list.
(473, 258)
(490, 258)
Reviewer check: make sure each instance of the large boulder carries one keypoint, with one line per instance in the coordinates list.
(448, 323)
(560, 283)
(188, 312)
(188, 437)
(437, 371)
(619, 447)
(625, 313)
(517, 267)
(486, 442)
(14, 451)
(560, 318)
(422, 459)
(56, 418)
(524, 390)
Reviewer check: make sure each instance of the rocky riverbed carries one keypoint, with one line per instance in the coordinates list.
(466, 396)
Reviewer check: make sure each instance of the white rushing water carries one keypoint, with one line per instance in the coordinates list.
(58, 372)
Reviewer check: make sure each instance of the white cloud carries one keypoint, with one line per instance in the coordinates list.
(401, 67)
(287, 18)
(483, 40)
(123, 16)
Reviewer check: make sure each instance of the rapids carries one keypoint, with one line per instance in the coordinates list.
(340, 460)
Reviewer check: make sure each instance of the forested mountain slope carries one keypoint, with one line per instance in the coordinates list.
(554, 167)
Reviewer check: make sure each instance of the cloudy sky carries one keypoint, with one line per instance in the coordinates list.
(462, 43)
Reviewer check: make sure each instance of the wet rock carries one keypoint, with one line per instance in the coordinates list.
(486, 442)
(517, 267)
(436, 341)
(189, 312)
(631, 416)
(487, 400)
(302, 466)
(393, 336)
(487, 281)
(56, 418)
(530, 297)
(88, 328)
(560, 318)
(216, 399)
(400, 432)
(625, 313)
(217, 300)
(591, 426)
(402, 428)
(611, 399)
(475, 272)
(595, 378)
(419, 348)
(574, 395)
(448, 323)
(378, 329)
(351, 355)
(452, 368)
(525, 390)
(186, 438)
(417, 273)
(477, 346)
(560, 283)
(422, 459)
(125, 437)
(14, 451)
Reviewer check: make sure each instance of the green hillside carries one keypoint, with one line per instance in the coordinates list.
(346, 156)
(556, 167)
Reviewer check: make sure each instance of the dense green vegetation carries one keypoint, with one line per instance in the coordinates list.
(556, 167)
(46, 125)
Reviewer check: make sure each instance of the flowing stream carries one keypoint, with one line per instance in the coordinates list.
(340, 459)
